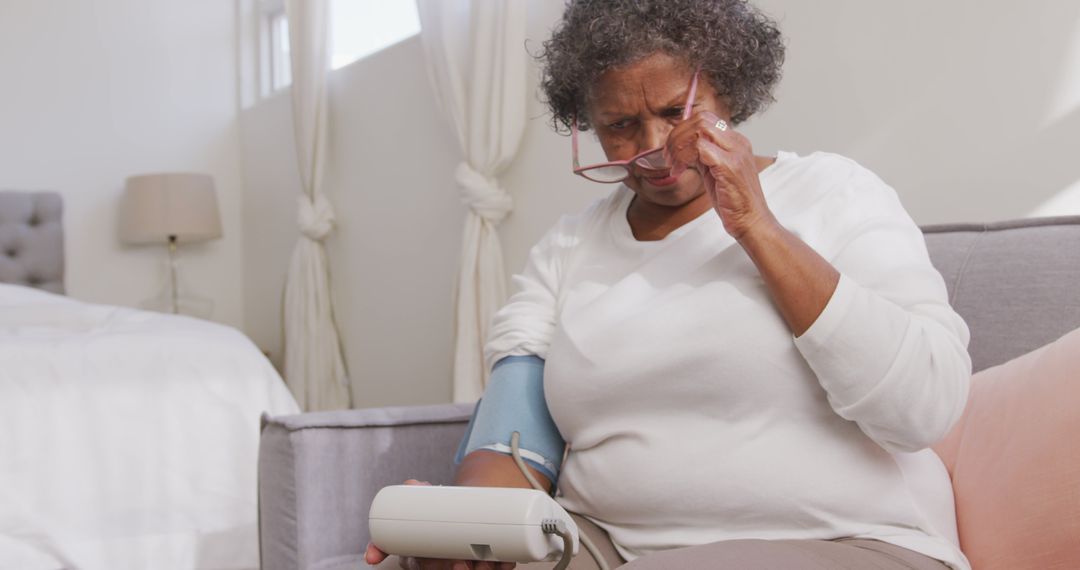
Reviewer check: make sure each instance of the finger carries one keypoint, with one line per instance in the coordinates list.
(727, 139)
(430, 564)
(715, 161)
(701, 124)
(484, 565)
(738, 166)
(507, 565)
(719, 171)
(717, 129)
(373, 555)
(416, 482)
(681, 148)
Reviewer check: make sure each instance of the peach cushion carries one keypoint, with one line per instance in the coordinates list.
(1014, 458)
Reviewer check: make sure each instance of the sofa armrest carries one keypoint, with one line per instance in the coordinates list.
(319, 472)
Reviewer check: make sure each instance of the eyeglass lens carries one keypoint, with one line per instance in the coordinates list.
(654, 160)
(610, 173)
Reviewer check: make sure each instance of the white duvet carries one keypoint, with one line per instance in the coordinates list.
(128, 439)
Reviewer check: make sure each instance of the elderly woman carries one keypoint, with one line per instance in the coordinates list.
(747, 356)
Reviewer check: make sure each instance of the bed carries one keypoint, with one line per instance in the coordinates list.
(128, 439)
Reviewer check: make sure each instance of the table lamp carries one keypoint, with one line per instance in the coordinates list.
(169, 209)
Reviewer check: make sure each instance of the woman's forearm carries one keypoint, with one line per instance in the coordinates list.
(484, 468)
(800, 281)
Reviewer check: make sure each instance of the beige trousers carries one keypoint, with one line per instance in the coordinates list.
(842, 554)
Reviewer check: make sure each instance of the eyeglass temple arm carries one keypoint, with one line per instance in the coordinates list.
(574, 143)
(690, 97)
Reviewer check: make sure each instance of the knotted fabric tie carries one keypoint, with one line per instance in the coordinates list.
(482, 194)
(315, 219)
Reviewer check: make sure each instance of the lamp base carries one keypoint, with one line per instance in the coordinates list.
(190, 305)
(175, 297)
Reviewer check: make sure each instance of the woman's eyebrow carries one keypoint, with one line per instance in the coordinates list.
(615, 114)
(677, 100)
(680, 99)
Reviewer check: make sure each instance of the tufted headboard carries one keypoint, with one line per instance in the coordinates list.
(32, 240)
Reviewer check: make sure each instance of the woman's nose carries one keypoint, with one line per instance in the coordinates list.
(654, 134)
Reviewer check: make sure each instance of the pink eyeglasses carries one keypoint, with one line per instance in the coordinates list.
(619, 170)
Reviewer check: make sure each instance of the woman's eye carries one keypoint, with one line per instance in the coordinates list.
(676, 112)
(619, 125)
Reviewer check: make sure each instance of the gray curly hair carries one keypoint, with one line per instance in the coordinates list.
(739, 50)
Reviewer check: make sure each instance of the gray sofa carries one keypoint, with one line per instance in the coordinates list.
(1016, 283)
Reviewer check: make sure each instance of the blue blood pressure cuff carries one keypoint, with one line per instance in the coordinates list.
(514, 401)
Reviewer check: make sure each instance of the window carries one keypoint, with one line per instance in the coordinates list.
(362, 27)
(358, 28)
(273, 36)
(280, 66)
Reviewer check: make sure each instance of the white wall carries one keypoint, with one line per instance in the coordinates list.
(94, 92)
(395, 252)
(971, 110)
(393, 255)
(271, 186)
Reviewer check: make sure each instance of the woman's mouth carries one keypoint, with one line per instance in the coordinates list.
(661, 180)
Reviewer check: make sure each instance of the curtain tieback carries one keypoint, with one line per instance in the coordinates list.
(315, 217)
(482, 194)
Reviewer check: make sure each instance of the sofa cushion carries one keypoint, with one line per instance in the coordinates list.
(1015, 462)
(1015, 282)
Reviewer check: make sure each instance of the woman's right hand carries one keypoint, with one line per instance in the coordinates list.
(374, 556)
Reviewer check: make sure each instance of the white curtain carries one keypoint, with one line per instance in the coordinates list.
(314, 367)
(477, 62)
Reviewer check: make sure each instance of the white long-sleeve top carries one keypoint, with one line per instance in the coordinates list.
(694, 416)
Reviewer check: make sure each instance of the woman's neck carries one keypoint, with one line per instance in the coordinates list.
(653, 222)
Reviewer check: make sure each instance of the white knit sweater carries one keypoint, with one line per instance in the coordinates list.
(694, 416)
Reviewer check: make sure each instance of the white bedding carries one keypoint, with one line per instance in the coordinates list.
(128, 439)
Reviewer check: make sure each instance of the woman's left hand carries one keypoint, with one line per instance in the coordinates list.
(725, 159)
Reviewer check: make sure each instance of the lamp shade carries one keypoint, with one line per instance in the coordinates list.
(157, 206)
